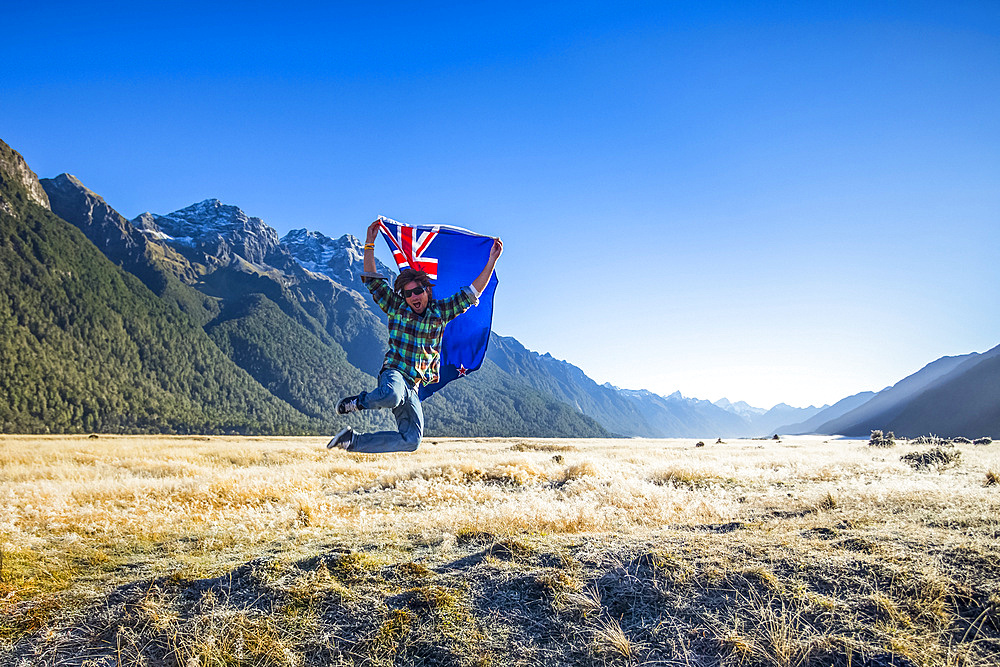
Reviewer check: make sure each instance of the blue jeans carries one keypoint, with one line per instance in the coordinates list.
(395, 393)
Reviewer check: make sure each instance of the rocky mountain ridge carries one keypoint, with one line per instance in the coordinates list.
(341, 259)
(220, 230)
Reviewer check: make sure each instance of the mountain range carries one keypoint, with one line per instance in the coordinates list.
(204, 320)
(950, 397)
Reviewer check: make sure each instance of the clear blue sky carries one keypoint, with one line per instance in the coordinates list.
(764, 201)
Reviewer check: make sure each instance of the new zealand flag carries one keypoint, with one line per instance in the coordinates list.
(453, 258)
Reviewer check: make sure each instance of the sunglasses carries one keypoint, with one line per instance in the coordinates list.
(416, 291)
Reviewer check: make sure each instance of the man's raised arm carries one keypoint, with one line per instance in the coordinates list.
(369, 266)
(479, 284)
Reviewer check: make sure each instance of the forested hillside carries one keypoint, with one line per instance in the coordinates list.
(85, 346)
(289, 361)
(158, 266)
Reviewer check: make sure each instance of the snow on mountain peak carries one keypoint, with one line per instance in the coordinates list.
(217, 228)
(341, 259)
(320, 253)
(212, 216)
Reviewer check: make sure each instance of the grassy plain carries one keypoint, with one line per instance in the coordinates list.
(275, 551)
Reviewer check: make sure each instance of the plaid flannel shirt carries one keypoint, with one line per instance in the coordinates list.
(415, 340)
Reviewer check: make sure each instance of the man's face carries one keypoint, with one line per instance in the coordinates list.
(418, 302)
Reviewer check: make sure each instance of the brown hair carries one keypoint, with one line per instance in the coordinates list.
(414, 276)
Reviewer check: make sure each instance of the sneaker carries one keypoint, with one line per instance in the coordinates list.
(344, 439)
(348, 405)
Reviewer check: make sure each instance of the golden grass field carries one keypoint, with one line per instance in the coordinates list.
(275, 551)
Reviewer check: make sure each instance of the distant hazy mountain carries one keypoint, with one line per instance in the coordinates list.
(760, 422)
(741, 408)
(771, 422)
(953, 396)
(569, 384)
(827, 414)
(887, 404)
(637, 413)
(965, 403)
(680, 417)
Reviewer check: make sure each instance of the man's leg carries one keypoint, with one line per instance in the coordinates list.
(390, 393)
(409, 420)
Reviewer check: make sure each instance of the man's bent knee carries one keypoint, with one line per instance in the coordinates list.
(410, 437)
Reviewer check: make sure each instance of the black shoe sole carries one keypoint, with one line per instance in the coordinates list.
(335, 442)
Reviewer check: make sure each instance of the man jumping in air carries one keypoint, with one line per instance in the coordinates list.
(416, 324)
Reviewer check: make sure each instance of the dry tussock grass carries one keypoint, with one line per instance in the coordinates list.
(277, 551)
